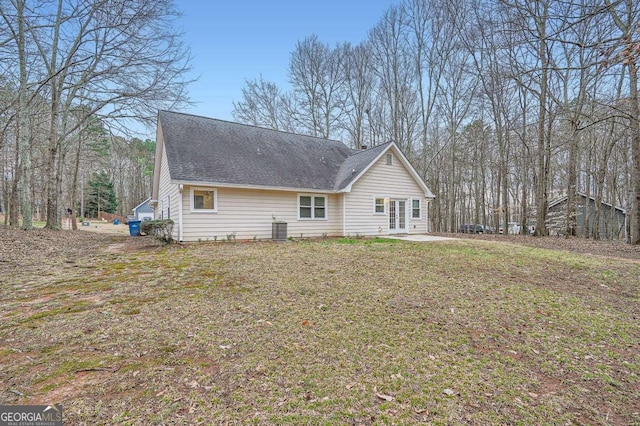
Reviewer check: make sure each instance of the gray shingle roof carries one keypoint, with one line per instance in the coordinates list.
(207, 150)
(583, 195)
(355, 164)
(211, 151)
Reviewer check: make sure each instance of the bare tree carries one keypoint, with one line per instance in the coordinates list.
(426, 28)
(263, 104)
(315, 71)
(501, 104)
(535, 20)
(119, 60)
(356, 93)
(497, 92)
(626, 50)
(579, 72)
(396, 79)
(17, 28)
(457, 88)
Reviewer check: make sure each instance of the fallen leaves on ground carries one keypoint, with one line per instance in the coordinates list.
(123, 331)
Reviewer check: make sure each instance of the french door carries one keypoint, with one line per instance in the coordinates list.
(397, 216)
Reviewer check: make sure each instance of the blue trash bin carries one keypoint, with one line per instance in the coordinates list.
(134, 228)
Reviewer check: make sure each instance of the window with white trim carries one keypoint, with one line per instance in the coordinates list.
(312, 207)
(378, 206)
(389, 159)
(204, 200)
(415, 209)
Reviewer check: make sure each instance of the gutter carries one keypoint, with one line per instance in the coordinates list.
(180, 188)
(344, 215)
(258, 187)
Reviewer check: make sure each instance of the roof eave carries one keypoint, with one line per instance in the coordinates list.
(258, 187)
(405, 163)
(366, 169)
(139, 205)
(155, 189)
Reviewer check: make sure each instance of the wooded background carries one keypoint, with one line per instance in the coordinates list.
(501, 105)
(77, 77)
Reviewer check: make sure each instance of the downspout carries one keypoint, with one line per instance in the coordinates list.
(407, 215)
(426, 212)
(180, 188)
(344, 214)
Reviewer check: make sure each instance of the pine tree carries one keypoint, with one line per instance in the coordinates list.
(102, 196)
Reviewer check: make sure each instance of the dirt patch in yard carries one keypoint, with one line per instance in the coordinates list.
(20, 248)
(104, 227)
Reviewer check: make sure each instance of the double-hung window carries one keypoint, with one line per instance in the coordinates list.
(415, 209)
(312, 207)
(378, 205)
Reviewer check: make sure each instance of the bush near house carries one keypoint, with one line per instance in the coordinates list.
(161, 229)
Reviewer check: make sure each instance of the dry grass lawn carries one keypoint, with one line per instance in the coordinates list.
(123, 331)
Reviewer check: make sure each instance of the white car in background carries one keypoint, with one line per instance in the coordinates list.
(514, 228)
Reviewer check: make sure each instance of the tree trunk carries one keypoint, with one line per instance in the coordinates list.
(24, 134)
(541, 182)
(629, 55)
(74, 184)
(572, 179)
(451, 192)
(635, 153)
(504, 180)
(14, 199)
(53, 213)
(586, 208)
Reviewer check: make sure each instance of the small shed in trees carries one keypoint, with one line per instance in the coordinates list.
(610, 219)
(143, 211)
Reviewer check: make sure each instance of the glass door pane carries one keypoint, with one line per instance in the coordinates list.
(392, 215)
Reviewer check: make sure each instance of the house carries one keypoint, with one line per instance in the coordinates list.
(611, 219)
(143, 211)
(217, 179)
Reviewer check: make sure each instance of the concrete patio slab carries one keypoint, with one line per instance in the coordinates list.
(421, 238)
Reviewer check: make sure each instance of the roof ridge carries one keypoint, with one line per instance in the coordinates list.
(319, 138)
(364, 151)
(213, 151)
(559, 200)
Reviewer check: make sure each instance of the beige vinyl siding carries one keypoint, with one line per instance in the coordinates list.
(168, 193)
(383, 181)
(249, 213)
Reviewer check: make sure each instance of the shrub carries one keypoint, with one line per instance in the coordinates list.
(161, 229)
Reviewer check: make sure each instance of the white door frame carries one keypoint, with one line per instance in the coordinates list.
(394, 218)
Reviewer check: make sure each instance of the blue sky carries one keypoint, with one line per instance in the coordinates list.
(235, 40)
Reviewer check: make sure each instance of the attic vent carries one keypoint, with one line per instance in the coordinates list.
(363, 147)
(389, 159)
